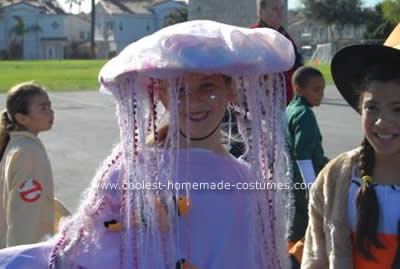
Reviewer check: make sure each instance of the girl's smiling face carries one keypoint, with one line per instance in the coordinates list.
(203, 100)
(380, 112)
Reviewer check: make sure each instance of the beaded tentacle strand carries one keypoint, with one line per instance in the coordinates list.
(165, 207)
(267, 152)
(161, 210)
(264, 125)
(125, 95)
(280, 162)
(53, 259)
(243, 115)
(88, 214)
(259, 153)
(141, 164)
(260, 114)
(269, 225)
(265, 160)
(163, 240)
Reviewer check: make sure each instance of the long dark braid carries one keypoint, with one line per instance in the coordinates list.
(367, 204)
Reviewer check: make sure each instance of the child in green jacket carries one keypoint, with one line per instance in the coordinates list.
(307, 155)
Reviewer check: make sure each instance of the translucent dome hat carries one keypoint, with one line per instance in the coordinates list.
(203, 47)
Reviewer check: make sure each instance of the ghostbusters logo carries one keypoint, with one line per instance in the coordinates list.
(30, 190)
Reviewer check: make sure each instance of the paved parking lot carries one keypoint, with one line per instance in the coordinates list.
(85, 131)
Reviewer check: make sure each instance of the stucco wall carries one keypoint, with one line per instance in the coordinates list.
(236, 12)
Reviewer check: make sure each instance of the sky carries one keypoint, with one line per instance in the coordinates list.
(296, 3)
(292, 4)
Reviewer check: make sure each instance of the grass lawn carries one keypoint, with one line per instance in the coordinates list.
(326, 71)
(63, 75)
(66, 75)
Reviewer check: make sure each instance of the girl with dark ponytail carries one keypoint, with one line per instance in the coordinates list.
(6, 126)
(354, 203)
(26, 182)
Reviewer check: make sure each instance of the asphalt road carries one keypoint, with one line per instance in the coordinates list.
(85, 131)
(340, 125)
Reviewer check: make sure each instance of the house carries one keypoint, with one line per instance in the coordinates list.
(38, 29)
(309, 33)
(121, 22)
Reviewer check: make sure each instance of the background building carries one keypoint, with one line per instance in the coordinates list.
(121, 22)
(308, 34)
(38, 29)
(41, 29)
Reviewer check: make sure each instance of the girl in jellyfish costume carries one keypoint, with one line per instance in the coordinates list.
(183, 201)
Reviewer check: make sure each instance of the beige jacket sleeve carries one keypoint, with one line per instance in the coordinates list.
(314, 252)
(328, 236)
(30, 197)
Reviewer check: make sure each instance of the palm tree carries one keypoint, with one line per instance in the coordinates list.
(176, 16)
(391, 9)
(71, 3)
(79, 2)
(18, 32)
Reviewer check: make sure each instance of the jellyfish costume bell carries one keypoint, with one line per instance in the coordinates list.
(149, 231)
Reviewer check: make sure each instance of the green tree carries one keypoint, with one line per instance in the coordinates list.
(391, 10)
(334, 14)
(17, 34)
(176, 16)
(377, 27)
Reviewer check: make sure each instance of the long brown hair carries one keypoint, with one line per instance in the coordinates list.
(367, 204)
(367, 221)
(18, 100)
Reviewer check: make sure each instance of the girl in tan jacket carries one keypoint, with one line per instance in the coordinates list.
(354, 203)
(26, 182)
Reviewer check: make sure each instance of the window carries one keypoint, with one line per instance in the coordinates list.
(82, 35)
(55, 25)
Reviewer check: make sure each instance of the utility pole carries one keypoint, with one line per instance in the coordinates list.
(285, 19)
(92, 30)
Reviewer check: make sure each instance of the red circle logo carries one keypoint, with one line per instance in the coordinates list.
(30, 190)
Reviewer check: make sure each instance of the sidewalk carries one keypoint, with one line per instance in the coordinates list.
(333, 97)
